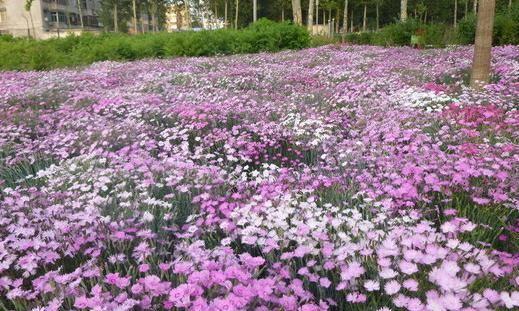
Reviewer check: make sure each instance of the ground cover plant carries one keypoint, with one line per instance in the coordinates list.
(333, 178)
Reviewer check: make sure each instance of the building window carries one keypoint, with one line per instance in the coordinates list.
(54, 17)
(60, 2)
(3, 15)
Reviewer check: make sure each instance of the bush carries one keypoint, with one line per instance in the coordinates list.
(262, 36)
(506, 28)
(506, 31)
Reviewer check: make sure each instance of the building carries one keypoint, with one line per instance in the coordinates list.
(49, 18)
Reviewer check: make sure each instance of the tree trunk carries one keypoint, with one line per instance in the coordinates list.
(317, 12)
(116, 16)
(337, 20)
(455, 13)
(141, 18)
(403, 10)
(483, 46)
(345, 17)
(466, 7)
(188, 14)
(215, 15)
(32, 24)
(282, 14)
(236, 14)
(296, 11)
(351, 20)
(134, 17)
(364, 19)
(475, 6)
(225, 14)
(378, 16)
(510, 4)
(310, 16)
(80, 11)
(254, 10)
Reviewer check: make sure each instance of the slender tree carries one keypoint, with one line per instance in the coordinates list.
(134, 10)
(116, 15)
(28, 7)
(365, 17)
(403, 10)
(80, 12)
(475, 6)
(345, 16)
(455, 21)
(254, 10)
(310, 15)
(377, 8)
(483, 46)
(236, 14)
(296, 12)
(226, 21)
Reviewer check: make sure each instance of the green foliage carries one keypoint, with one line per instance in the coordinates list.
(263, 36)
(506, 28)
(506, 31)
(466, 31)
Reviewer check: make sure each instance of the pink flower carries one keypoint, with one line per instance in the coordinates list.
(325, 282)
(408, 267)
(371, 285)
(81, 302)
(510, 300)
(411, 285)
(392, 287)
(356, 297)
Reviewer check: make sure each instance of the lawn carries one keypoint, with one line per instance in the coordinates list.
(333, 178)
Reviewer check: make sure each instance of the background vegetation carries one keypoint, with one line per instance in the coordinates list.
(268, 36)
(506, 31)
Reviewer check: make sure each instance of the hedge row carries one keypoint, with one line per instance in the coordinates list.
(264, 35)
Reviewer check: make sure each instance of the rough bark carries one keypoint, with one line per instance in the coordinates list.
(483, 46)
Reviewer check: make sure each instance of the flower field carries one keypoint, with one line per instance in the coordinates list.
(334, 178)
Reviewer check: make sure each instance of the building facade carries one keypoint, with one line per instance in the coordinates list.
(49, 18)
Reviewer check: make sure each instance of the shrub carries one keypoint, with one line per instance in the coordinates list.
(262, 36)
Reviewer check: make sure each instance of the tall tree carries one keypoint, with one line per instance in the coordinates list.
(455, 21)
(80, 12)
(483, 46)
(226, 20)
(236, 14)
(296, 12)
(365, 16)
(28, 7)
(345, 16)
(134, 10)
(310, 15)
(403, 10)
(254, 10)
